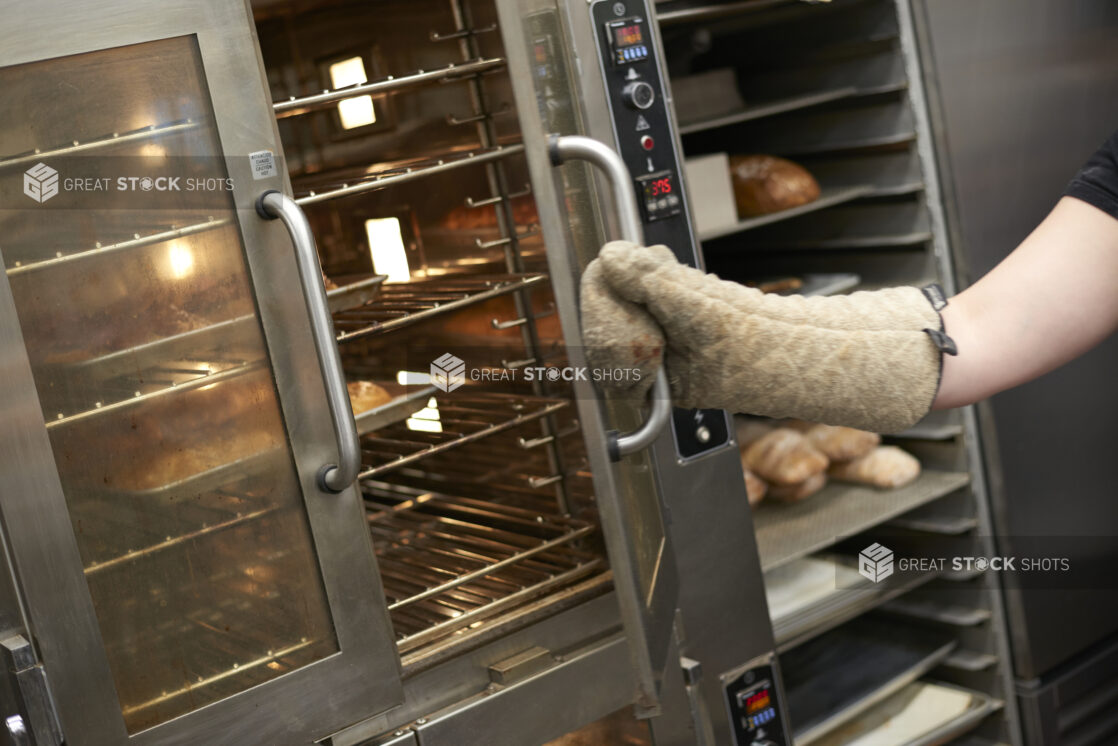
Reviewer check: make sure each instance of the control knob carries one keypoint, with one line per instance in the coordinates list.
(638, 94)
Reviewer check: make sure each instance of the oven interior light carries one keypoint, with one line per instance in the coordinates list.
(386, 245)
(412, 378)
(181, 259)
(357, 111)
(426, 420)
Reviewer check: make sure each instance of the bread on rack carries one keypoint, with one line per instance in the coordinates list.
(797, 492)
(884, 466)
(765, 184)
(840, 443)
(784, 457)
(755, 487)
(748, 430)
(364, 395)
(327, 282)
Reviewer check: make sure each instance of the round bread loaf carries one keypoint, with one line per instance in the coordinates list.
(764, 184)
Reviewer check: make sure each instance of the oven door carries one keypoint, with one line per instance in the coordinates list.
(185, 575)
(634, 519)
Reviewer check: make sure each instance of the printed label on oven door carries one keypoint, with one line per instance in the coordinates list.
(263, 164)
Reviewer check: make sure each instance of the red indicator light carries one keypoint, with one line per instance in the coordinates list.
(647, 143)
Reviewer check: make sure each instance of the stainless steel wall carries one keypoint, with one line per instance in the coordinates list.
(1028, 89)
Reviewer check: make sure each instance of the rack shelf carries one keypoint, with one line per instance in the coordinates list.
(463, 418)
(827, 198)
(369, 182)
(406, 303)
(102, 141)
(916, 704)
(295, 106)
(789, 531)
(840, 604)
(849, 227)
(191, 379)
(824, 691)
(767, 109)
(137, 241)
(451, 563)
(707, 11)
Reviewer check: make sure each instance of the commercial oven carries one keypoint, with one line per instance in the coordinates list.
(205, 544)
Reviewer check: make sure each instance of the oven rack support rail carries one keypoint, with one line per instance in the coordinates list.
(464, 420)
(297, 105)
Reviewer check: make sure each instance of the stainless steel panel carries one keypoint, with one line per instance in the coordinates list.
(1025, 96)
(584, 686)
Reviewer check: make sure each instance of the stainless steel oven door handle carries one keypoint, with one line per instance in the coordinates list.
(331, 477)
(563, 148)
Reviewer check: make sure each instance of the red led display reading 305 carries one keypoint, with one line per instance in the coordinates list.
(626, 36)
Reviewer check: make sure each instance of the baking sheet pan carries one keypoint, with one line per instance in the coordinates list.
(920, 714)
(406, 401)
(836, 677)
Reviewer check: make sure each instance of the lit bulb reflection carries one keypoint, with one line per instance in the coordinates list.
(357, 111)
(386, 245)
(412, 378)
(426, 420)
(181, 259)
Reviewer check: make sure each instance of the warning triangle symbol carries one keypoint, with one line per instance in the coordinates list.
(642, 123)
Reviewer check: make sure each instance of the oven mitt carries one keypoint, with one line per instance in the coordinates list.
(625, 345)
(870, 360)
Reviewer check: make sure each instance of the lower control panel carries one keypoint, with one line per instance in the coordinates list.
(753, 700)
(642, 127)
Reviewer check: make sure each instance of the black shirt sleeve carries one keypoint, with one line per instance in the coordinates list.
(1097, 182)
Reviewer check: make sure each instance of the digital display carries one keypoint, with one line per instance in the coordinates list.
(659, 195)
(627, 36)
(627, 41)
(658, 187)
(758, 701)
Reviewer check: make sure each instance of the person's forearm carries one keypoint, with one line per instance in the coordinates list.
(1052, 299)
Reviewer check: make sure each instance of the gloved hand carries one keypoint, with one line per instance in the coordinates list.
(870, 360)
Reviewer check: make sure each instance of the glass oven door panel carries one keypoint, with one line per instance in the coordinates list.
(575, 225)
(178, 477)
(180, 428)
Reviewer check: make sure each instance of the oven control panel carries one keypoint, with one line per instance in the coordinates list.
(753, 700)
(644, 138)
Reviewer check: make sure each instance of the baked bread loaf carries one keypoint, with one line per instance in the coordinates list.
(842, 443)
(797, 492)
(884, 466)
(364, 395)
(748, 430)
(755, 487)
(765, 184)
(784, 457)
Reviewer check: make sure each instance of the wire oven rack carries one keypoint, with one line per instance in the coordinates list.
(463, 419)
(295, 106)
(405, 303)
(452, 563)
